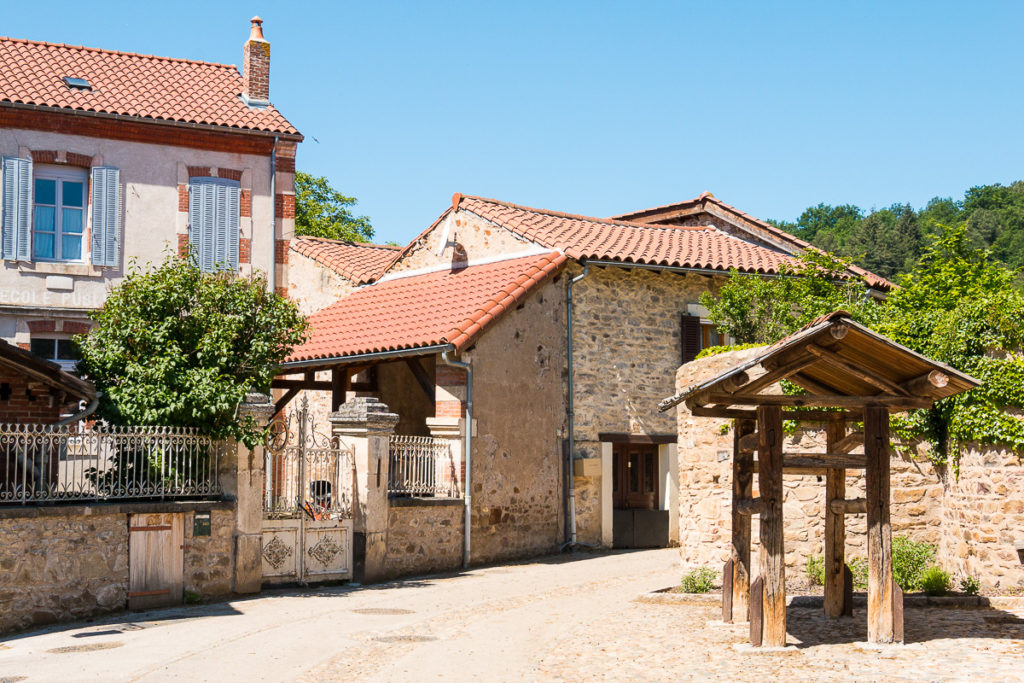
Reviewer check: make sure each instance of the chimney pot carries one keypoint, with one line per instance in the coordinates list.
(256, 67)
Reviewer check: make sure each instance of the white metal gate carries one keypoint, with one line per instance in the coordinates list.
(307, 504)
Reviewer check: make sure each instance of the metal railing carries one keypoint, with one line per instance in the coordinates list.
(308, 481)
(422, 466)
(54, 464)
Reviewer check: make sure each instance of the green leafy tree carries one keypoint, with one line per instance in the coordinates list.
(828, 223)
(762, 310)
(174, 346)
(322, 211)
(886, 242)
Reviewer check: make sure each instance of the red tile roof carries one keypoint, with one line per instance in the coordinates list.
(130, 84)
(355, 261)
(583, 237)
(665, 214)
(441, 307)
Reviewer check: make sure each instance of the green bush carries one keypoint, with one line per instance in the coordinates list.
(859, 569)
(910, 559)
(699, 580)
(935, 581)
(815, 570)
(970, 585)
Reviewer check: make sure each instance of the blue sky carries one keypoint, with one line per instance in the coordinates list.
(601, 108)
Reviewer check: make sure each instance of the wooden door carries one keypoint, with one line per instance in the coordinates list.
(156, 560)
(635, 479)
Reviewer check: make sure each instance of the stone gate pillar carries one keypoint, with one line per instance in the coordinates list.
(364, 426)
(244, 480)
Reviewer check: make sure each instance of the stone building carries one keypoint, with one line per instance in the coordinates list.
(113, 157)
(573, 328)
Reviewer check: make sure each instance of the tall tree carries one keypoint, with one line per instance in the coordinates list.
(887, 241)
(322, 211)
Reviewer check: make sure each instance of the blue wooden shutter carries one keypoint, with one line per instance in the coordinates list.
(213, 222)
(17, 209)
(106, 215)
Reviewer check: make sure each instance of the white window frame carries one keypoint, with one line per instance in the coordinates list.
(61, 174)
(66, 365)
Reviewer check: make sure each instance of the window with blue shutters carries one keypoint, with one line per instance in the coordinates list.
(213, 210)
(58, 213)
(16, 210)
(106, 216)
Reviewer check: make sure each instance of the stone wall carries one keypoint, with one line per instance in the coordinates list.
(478, 237)
(983, 518)
(424, 536)
(63, 563)
(627, 341)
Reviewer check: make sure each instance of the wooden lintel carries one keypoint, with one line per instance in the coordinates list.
(848, 442)
(301, 384)
(423, 378)
(800, 416)
(852, 506)
(839, 461)
(835, 360)
(821, 400)
(926, 383)
(748, 506)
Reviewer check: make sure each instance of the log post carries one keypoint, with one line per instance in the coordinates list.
(742, 488)
(757, 611)
(773, 560)
(847, 591)
(835, 526)
(727, 575)
(880, 582)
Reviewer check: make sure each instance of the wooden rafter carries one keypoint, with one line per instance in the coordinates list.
(423, 377)
(835, 360)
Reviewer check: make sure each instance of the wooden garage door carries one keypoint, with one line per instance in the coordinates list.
(156, 555)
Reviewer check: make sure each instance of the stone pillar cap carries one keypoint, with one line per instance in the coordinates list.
(367, 412)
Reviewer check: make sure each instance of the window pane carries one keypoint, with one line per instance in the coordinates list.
(42, 347)
(67, 350)
(43, 243)
(71, 247)
(46, 191)
(71, 221)
(72, 194)
(44, 218)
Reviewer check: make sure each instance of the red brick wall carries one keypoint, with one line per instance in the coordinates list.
(281, 251)
(284, 206)
(244, 250)
(245, 207)
(29, 402)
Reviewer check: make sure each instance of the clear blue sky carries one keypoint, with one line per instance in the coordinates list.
(600, 108)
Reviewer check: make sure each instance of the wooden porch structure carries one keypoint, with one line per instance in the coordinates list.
(850, 375)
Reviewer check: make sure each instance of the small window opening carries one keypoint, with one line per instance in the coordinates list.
(77, 83)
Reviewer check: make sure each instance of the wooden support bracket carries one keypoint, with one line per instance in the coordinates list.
(853, 506)
(749, 506)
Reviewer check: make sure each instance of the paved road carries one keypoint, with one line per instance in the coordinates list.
(485, 624)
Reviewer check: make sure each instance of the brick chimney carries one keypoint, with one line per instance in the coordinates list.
(256, 67)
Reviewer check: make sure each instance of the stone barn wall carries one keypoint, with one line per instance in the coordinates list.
(424, 536)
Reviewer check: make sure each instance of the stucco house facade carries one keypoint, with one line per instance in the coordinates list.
(113, 158)
(566, 330)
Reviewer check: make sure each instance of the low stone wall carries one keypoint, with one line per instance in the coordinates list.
(424, 535)
(983, 518)
(64, 563)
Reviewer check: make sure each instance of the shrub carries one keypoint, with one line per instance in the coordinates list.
(699, 580)
(859, 569)
(909, 562)
(815, 570)
(935, 581)
(970, 585)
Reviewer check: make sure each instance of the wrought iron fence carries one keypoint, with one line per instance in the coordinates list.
(52, 464)
(308, 473)
(422, 466)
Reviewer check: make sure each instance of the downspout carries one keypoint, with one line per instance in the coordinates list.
(570, 476)
(273, 217)
(467, 447)
(81, 415)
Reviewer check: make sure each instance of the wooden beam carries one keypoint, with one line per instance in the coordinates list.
(734, 382)
(773, 554)
(848, 443)
(423, 377)
(341, 379)
(881, 628)
(811, 385)
(727, 576)
(742, 487)
(835, 527)
(847, 506)
(781, 372)
(799, 415)
(838, 331)
(322, 385)
(285, 400)
(748, 506)
(926, 383)
(757, 612)
(835, 360)
(747, 443)
(820, 400)
(839, 461)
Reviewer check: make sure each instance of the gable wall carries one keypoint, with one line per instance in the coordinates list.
(313, 286)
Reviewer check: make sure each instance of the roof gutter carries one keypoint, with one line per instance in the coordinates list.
(360, 357)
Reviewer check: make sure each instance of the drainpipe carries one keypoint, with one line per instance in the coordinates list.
(273, 217)
(571, 488)
(467, 447)
(81, 415)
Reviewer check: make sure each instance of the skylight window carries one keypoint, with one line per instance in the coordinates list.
(77, 83)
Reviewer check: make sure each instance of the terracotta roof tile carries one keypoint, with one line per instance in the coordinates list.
(355, 261)
(441, 307)
(651, 216)
(130, 84)
(583, 237)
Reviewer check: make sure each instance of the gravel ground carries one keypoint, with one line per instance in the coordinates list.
(556, 619)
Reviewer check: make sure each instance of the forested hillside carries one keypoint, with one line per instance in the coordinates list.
(888, 241)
